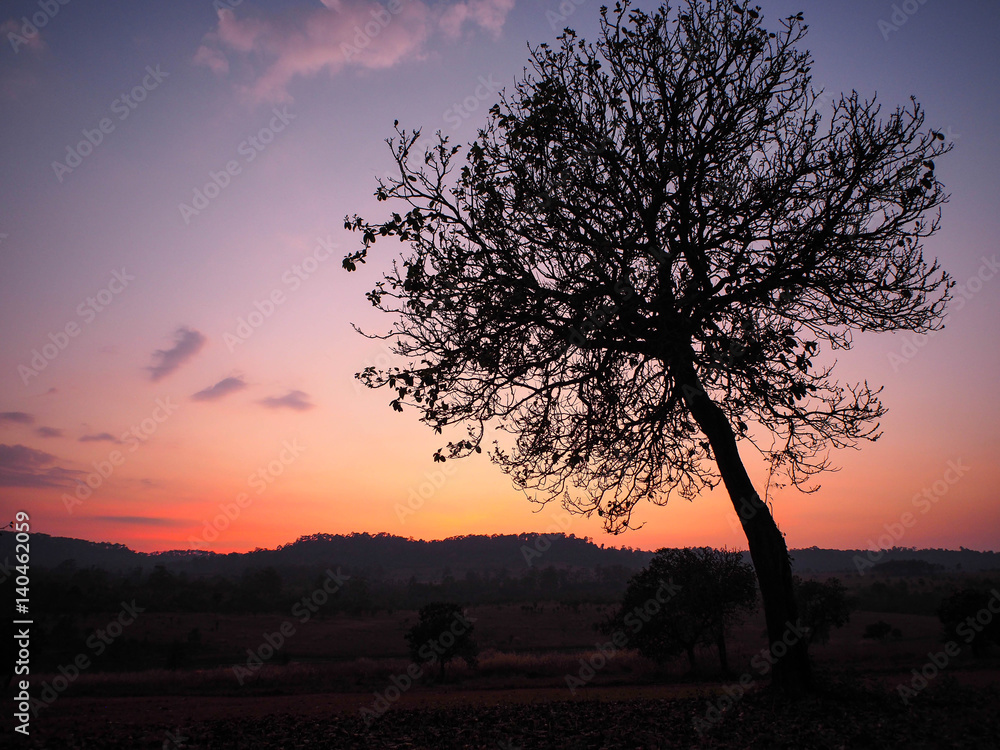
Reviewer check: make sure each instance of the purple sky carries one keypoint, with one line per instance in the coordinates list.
(175, 180)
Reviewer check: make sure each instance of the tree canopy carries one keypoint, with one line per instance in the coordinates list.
(823, 605)
(683, 599)
(645, 259)
(443, 632)
(969, 617)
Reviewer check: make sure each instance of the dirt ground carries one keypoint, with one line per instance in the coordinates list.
(519, 698)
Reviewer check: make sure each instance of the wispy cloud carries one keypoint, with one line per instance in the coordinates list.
(19, 417)
(100, 437)
(49, 432)
(486, 14)
(297, 400)
(143, 520)
(270, 51)
(188, 342)
(223, 388)
(21, 466)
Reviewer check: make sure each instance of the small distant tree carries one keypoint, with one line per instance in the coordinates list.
(682, 599)
(443, 632)
(960, 614)
(355, 596)
(823, 605)
(882, 631)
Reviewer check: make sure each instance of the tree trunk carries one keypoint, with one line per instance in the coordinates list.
(771, 561)
(690, 650)
(720, 644)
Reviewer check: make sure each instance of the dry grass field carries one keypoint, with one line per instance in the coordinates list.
(312, 692)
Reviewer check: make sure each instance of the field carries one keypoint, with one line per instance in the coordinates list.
(325, 683)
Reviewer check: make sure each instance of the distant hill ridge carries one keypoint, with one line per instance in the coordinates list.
(394, 556)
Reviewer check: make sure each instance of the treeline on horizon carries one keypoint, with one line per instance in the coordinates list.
(69, 595)
(387, 556)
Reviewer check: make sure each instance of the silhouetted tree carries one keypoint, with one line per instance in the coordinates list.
(650, 242)
(732, 593)
(443, 632)
(685, 598)
(355, 596)
(161, 581)
(970, 616)
(881, 631)
(823, 605)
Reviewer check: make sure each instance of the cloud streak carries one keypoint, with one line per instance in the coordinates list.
(295, 400)
(21, 466)
(49, 432)
(188, 343)
(18, 417)
(100, 437)
(269, 52)
(223, 388)
(143, 520)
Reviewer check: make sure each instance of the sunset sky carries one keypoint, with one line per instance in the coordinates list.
(176, 324)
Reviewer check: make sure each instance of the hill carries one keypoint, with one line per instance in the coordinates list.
(395, 557)
(385, 555)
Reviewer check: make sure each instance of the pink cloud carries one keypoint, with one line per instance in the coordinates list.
(212, 59)
(360, 33)
(240, 35)
(486, 14)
